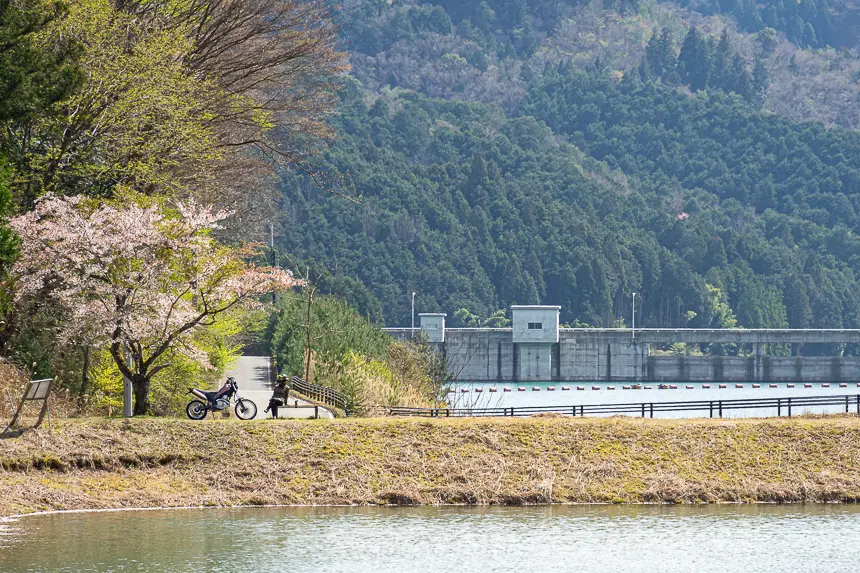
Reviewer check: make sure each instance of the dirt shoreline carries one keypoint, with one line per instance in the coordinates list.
(9, 518)
(97, 464)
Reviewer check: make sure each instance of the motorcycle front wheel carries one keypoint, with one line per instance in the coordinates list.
(245, 409)
(196, 410)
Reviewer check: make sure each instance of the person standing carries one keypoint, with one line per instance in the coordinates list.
(279, 396)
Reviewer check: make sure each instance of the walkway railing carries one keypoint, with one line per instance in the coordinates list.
(714, 408)
(322, 394)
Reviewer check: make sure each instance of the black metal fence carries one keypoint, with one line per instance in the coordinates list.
(322, 394)
(714, 408)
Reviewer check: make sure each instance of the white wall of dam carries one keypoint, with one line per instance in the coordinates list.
(615, 355)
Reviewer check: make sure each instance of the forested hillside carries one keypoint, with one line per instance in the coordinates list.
(479, 153)
(419, 46)
(507, 152)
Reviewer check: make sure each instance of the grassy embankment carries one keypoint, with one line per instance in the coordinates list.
(100, 463)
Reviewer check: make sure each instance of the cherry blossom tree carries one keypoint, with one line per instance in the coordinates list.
(137, 276)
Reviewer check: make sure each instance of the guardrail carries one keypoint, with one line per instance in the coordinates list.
(322, 394)
(644, 409)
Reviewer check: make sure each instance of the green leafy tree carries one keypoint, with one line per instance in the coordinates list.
(498, 319)
(768, 40)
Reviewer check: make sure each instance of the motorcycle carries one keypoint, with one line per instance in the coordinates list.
(219, 401)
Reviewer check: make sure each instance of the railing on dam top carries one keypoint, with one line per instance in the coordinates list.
(715, 408)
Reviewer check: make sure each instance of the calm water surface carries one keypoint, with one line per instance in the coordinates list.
(724, 539)
(603, 395)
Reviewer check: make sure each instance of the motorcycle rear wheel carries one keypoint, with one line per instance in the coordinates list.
(245, 409)
(196, 410)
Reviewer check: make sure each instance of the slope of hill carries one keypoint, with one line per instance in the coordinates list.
(419, 46)
(500, 164)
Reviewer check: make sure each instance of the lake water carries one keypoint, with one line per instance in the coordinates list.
(464, 395)
(630, 539)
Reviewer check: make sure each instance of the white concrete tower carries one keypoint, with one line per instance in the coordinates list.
(535, 331)
(433, 323)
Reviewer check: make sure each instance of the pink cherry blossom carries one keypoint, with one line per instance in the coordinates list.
(138, 279)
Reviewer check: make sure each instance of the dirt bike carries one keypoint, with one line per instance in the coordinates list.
(219, 401)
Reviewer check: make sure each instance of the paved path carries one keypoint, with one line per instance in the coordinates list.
(253, 373)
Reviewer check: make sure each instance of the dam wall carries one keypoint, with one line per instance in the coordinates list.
(535, 349)
(764, 369)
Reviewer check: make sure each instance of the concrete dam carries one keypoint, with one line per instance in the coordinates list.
(536, 349)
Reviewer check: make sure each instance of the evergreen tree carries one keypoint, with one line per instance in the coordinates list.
(741, 80)
(694, 61)
(716, 255)
(822, 20)
(797, 303)
(721, 75)
(8, 242)
(646, 74)
(702, 68)
(438, 21)
(32, 77)
(514, 13)
(809, 37)
(761, 306)
(478, 173)
(759, 83)
(659, 55)
(525, 41)
(484, 17)
(794, 30)
(764, 195)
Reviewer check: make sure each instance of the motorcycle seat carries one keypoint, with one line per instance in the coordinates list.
(209, 395)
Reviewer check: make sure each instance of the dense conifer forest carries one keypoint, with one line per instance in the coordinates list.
(493, 169)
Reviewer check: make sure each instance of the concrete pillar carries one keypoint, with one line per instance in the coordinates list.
(758, 351)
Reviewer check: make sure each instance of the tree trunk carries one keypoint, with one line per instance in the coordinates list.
(140, 387)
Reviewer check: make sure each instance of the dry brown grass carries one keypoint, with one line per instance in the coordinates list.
(13, 382)
(96, 463)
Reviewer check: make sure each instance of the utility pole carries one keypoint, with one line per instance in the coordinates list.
(311, 288)
(413, 315)
(634, 315)
(272, 245)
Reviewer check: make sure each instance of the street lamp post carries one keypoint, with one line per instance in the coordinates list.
(413, 315)
(634, 316)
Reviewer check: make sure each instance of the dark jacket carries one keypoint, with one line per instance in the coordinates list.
(280, 393)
